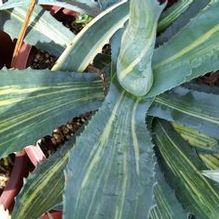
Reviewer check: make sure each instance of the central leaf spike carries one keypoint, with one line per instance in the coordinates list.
(134, 69)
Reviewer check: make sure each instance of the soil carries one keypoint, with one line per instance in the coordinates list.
(210, 79)
(49, 144)
(42, 60)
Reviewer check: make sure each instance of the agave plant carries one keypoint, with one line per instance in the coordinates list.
(143, 152)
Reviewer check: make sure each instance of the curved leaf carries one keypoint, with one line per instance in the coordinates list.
(82, 6)
(167, 205)
(87, 44)
(210, 160)
(134, 71)
(13, 4)
(207, 146)
(31, 107)
(41, 31)
(90, 41)
(44, 187)
(183, 170)
(192, 9)
(191, 108)
(84, 57)
(193, 52)
(173, 13)
(195, 138)
(113, 165)
(187, 55)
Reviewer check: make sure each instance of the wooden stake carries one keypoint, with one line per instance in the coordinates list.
(22, 33)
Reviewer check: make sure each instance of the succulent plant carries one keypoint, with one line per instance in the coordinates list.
(143, 152)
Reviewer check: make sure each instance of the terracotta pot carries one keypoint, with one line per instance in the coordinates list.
(52, 214)
(7, 48)
(22, 167)
(15, 182)
(25, 56)
(55, 10)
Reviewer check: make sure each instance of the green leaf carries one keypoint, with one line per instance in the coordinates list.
(33, 103)
(104, 26)
(173, 13)
(90, 41)
(193, 52)
(82, 6)
(187, 55)
(182, 169)
(197, 139)
(41, 31)
(207, 146)
(44, 187)
(106, 3)
(134, 69)
(113, 165)
(195, 109)
(12, 4)
(210, 160)
(115, 48)
(194, 7)
(167, 205)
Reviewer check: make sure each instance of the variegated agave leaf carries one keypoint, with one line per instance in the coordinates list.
(167, 206)
(44, 187)
(83, 6)
(183, 169)
(113, 165)
(41, 31)
(192, 108)
(85, 46)
(173, 13)
(34, 102)
(134, 69)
